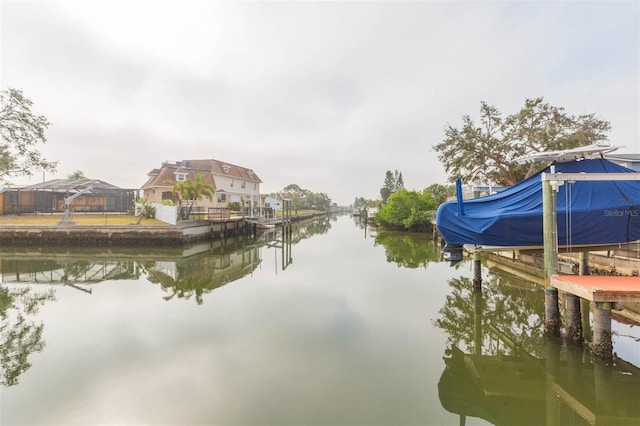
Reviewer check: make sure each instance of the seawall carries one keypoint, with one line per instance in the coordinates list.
(184, 232)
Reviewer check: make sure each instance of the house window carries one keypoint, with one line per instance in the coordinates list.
(225, 169)
(244, 184)
(180, 177)
(231, 183)
(255, 186)
(222, 198)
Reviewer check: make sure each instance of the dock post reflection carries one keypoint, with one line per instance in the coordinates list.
(508, 375)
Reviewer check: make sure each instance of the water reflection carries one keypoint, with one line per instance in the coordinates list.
(182, 273)
(409, 250)
(20, 336)
(499, 366)
(194, 269)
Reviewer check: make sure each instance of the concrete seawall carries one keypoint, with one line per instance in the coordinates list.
(184, 231)
(80, 234)
(111, 234)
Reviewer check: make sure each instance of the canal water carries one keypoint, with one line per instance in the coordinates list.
(333, 324)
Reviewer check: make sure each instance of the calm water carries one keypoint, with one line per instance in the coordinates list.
(339, 325)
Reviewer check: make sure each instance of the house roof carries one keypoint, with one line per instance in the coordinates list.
(72, 185)
(223, 168)
(168, 173)
(208, 168)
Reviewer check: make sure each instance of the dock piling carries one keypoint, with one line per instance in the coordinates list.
(584, 263)
(573, 319)
(551, 308)
(477, 271)
(551, 312)
(602, 345)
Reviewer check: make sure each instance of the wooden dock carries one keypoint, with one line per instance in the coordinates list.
(599, 288)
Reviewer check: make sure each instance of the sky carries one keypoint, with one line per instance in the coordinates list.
(326, 95)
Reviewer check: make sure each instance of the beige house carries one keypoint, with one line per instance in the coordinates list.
(233, 184)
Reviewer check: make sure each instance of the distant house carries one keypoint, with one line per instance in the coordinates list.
(273, 203)
(49, 197)
(233, 184)
(630, 161)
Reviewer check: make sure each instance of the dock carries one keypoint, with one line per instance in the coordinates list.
(606, 293)
(599, 288)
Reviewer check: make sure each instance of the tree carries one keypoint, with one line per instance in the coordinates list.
(399, 182)
(196, 189)
(441, 192)
(190, 190)
(407, 209)
(145, 211)
(20, 131)
(178, 190)
(392, 183)
(488, 152)
(305, 199)
(77, 175)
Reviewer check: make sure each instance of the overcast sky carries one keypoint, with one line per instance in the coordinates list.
(327, 95)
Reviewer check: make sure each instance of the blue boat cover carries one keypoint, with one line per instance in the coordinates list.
(598, 212)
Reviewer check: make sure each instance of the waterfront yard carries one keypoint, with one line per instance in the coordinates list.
(79, 219)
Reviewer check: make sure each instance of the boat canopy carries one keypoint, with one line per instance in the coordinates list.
(588, 212)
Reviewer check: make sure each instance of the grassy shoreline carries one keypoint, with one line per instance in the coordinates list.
(79, 219)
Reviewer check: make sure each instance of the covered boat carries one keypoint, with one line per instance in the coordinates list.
(589, 213)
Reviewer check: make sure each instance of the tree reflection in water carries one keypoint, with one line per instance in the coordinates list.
(500, 367)
(513, 309)
(19, 336)
(408, 250)
(226, 261)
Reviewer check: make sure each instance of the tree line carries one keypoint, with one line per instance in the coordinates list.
(491, 150)
(304, 199)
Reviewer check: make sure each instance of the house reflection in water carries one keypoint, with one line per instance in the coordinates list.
(181, 272)
(32, 275)
(202, 273)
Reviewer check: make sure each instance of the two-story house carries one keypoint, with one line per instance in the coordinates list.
(233, 184)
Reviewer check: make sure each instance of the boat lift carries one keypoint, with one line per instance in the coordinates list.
(67, 203)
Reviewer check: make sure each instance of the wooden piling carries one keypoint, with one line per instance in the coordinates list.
(573, 319)
(477, 271)
(552, 310)
(585, 309)
(602, 345)
(583, 268)
(548, 227)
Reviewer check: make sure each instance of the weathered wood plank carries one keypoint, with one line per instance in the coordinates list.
(599, 288)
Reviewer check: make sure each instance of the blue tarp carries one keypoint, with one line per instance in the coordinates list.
(600, 212)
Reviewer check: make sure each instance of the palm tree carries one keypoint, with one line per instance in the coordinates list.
(178, 190)
(190, 190)
(197, 189)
